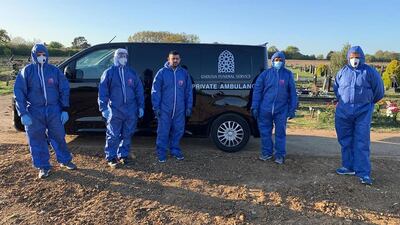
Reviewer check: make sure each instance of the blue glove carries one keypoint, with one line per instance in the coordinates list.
(188, 112)
(141, 112)
(157, 113)
(26, 120)
(254, 113)
(291, 115)
(64, 117)
(106, 114)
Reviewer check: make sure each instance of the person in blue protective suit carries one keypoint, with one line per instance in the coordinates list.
(172, 99)
(357, 87)
(274, 101)
(121, 102)
(41, 95)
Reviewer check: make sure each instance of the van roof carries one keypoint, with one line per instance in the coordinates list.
(168, 43)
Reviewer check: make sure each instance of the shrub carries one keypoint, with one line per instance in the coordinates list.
(322, 70)
(392, 71)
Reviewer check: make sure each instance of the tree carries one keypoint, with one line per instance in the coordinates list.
(4, 38)
(329, 55)
(163, 36)
(292, 49)
(339, 59)
(18, 41)
(386, 56)
(80, 43)
(392, 72)
(320, 56)
(273, 49)
(5, 51)
(370, 58)
(22, 41)
(293, 52)
(55, 44)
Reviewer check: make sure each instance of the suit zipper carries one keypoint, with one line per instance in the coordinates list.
(277, 87)
(173, 111)
(41, 76)
(122, 77)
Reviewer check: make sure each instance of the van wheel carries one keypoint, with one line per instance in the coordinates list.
(230, 132)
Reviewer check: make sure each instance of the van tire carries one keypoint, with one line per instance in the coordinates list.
(230, 132)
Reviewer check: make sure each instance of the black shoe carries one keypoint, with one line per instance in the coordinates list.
(125, 160)
(112, 163)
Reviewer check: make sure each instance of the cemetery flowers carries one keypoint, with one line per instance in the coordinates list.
(392, 109)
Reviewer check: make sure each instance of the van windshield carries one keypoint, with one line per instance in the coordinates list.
(96, 58)
(93, 64)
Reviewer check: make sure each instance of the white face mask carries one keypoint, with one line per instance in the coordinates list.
(41, 59)
(122, 61)
(354, 62)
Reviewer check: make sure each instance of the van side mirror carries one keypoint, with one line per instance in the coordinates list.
(73, 74)
(69, 73)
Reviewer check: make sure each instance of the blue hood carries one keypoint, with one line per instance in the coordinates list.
(118, 51)
(279, 54)
(39, 48)
(166, 65)
(356, 49)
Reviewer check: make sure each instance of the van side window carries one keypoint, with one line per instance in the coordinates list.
(93, 64)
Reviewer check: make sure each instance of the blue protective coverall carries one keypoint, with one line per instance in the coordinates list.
(42, 93)
(172, 97)
(275, 99)
(357, 89)
(121, 92)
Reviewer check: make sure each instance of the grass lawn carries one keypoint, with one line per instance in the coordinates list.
(4, 89)
(301, 73)
(5, 70)
(325, 119)
(305, 120)
(391, 95)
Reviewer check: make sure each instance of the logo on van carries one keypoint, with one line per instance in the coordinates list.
(226, 62)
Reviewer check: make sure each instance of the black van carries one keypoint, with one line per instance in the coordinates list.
(222, 76)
